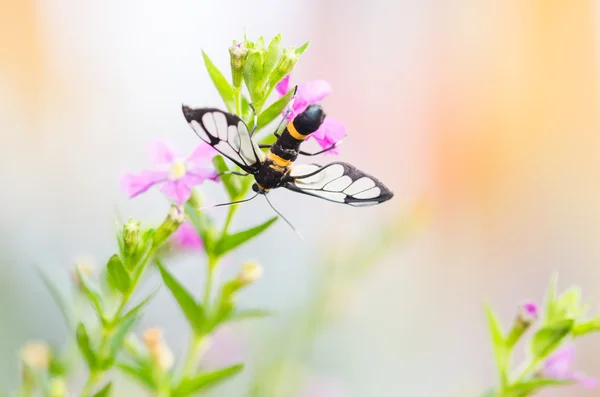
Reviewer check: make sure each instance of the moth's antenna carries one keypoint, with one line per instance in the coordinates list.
(231, 203)
(283, 217)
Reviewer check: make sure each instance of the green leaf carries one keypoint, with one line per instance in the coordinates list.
(498, 342)
(300, 50)
(193, 311)
(273, 54)
(586, 327)
(225, 89)
(119, 276)
(105, 391)
(92, 292)
(60, 299)
(274, 110)
(231, 241)
(206, 380)
(115, 342)
(84, 344)
(246, 314)
(547, 339)
(143, 375)
(550, 299)
(530, 386)
(253, 76)
(135, 311)
(231, 182)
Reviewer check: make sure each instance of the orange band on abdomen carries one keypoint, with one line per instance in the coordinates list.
(278, 160)
(294, 132)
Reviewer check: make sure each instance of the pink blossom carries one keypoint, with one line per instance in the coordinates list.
(559, 364)
(225, 349)
(176, 175)
(322, 387)
(310, 93)
(186, 236)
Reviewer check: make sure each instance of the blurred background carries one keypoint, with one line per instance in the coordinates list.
(482, 114)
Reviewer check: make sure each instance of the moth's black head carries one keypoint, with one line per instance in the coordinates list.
(310, 120)
(256, 189)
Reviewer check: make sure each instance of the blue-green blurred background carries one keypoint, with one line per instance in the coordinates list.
(481, 116)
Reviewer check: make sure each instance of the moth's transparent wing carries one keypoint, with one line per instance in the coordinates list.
(228, 134)
(338, 182)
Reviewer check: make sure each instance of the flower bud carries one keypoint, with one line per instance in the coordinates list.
(169, 225)
(36, 354)
(527, 314)
(251, 272)
(131, 236)
(285, 66)
(238, 54)
(161, 355)
(86, 267)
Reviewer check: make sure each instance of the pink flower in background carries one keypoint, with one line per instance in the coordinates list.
(559, 364)
(225, 349)
(176, 175)
(530, 310)
(310, 93)
(322, 387)
(187, 237)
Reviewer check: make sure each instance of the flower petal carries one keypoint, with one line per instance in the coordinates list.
(201, 155)
(330, 132)
(283, 86)
(161, 153)
(186, 236)
(196, 176)
(177, 190)
(138, 184)
(313, 91)
(583, 380)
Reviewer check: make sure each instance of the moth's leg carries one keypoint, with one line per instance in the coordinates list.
(255, 120)
(265, 146)
(321, 151)
(232, 173)
(286, 113)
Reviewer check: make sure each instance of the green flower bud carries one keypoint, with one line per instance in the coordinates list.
(131, 236)
(169, 225)
(285, 66)
(238, 54)
(196, 199)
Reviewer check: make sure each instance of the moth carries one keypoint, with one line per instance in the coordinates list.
(338, 182)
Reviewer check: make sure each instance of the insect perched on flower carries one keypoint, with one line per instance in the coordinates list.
(337, 182)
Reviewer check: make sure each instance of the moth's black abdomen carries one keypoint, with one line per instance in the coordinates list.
(310, 120)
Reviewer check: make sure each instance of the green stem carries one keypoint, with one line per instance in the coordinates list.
(238, 102)
(96, 375)
(88, 388)
(228, 220)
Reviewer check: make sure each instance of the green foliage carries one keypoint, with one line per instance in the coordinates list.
(498, 342)
(85, 346)
(118, 274)
(230, 241)
(204, 381)
(193, 311)
(547, 339)
(105, 391)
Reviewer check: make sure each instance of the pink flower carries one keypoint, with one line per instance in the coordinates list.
(310, 93)
(176, 175)
(225, 349)
(187, 237)
(322, 387)
(558, 366)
